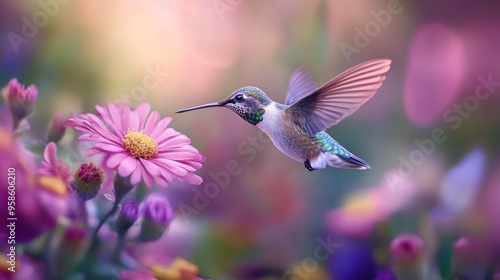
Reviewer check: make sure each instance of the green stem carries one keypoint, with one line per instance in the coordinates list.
(120, 243)
(93, 239)
(111, 212)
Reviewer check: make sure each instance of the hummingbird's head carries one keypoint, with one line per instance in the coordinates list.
(248, 102)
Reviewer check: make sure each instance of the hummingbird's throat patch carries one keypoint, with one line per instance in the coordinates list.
(254, 117)
(140, 145)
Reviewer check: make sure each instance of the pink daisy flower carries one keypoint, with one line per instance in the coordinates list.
(138, 144)
(52, 166)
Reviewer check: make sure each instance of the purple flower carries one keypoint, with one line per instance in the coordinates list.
(158, 209)
(21, 100)
(129, 213)
(139, 144)
(157, 215)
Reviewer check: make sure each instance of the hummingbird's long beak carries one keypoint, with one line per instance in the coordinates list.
(213, 104)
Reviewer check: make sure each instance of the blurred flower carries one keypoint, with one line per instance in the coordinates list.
(407, 252)
(53, 195)
(489, 208)
(469, 259)
(57, 128)
(178, 269)
(138, 144)
(52, 166)
(88, 180)
(71, 247)
(25, 268)
(461, 184)
(21, 100)
(436, 68)
(353, 261)
(385, 274)
(127, 216)
(362, 211)
(28, 190)
(458, 192)
(157, 215)
(407, 248)
(39, 206)
(6, 117)
(262, 271)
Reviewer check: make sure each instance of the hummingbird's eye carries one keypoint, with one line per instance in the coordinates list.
(238, 97)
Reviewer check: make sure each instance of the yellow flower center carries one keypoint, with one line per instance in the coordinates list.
(140, 145)
(179, 269)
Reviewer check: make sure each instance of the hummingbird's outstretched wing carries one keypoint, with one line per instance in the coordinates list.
(339, 97)
(300, 85)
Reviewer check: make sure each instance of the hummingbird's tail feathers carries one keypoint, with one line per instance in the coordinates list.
(349, 161)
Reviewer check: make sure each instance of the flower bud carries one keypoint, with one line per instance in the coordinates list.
(469, 260)
(57, 128)
(88, 180)
(127, 217)
(407, 252)
(407, 248)
(157, 215)
(21, 100)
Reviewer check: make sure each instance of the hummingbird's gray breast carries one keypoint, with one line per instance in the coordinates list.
(288, 136)
(293, 141)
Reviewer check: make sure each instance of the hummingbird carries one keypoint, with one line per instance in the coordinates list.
(297, 128)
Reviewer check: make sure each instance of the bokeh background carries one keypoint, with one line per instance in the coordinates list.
(271, 213)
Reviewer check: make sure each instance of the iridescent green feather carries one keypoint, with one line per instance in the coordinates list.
(330, 145)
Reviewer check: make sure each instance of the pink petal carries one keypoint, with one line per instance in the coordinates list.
(92, 151)
(115, 159)
(114, 112)
(169, 132)
(50, 153)
(162, 125)
(127, 166)
(171, 166)
(192, 178)
(142, 111)
(107, 118)
(109, 148)
(162, 182)
(151, 123)
(134, 121)
(147, 177)
(152, 168)
(181, 156)
(135, 178)
(125, 117)
(177, 141)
